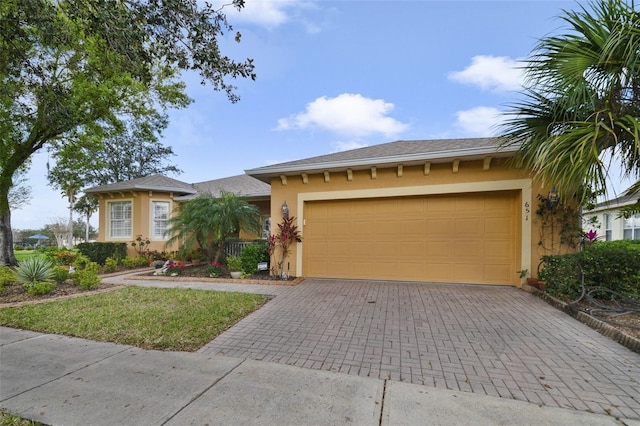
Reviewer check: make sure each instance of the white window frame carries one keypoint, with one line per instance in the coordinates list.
(631, 228)
(608, 227)
(154, 232)
(110, 220)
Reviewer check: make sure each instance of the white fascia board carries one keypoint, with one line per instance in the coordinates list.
(365, 163)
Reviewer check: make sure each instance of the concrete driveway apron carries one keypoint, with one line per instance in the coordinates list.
(490, 340)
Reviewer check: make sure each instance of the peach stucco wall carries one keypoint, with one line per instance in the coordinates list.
(141, 225)
(470, 176)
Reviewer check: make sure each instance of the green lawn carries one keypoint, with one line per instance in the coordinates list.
(149, 318)
(7, 419)
(23, 254)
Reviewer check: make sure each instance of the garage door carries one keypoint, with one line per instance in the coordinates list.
(465, 238)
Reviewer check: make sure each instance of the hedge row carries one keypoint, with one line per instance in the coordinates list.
(99, 252)
(612, 264)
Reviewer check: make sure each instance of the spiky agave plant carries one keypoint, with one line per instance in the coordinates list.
(34, 270)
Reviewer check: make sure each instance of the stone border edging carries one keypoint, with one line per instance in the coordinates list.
(216, 280)
(67, 296)
(601, 327)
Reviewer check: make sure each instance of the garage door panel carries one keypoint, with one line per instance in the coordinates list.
(469, 226)
(468, 272)
(439, 248)
(499, 225)
(499, 249)
(440, 272)
(497, 273)
(438, 226)
(449, 238)
(467, 249)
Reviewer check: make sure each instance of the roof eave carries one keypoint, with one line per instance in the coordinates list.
(266, 173)
(99, 190)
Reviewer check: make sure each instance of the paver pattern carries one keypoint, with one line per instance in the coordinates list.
(498, 341)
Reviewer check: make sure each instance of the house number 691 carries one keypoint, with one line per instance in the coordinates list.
(526, 210)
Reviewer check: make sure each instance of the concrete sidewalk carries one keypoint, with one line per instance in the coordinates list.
(61, 380)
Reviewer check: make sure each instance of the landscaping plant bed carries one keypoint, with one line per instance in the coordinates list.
(16, 294)
(199, 273)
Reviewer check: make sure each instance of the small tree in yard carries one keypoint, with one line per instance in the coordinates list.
(60, 229)
(287, 235)
(208, 222)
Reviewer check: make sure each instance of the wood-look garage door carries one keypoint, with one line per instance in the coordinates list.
(465, 238)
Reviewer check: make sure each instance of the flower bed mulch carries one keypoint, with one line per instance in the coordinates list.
(16, 295)
(198, 273)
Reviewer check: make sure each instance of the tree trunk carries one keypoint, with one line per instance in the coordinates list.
(7, 257)
(86, 229)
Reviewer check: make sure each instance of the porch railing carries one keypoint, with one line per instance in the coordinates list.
(235, 247)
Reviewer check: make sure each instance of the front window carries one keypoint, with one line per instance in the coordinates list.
(632, 228)
(608, 229)
(120, 219)
(159, 219)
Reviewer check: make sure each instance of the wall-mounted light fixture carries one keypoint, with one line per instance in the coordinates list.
(285, 210)
(553, 199)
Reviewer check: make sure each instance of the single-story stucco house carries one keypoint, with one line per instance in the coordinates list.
(610, 224)
(451, 210)
(143, 206)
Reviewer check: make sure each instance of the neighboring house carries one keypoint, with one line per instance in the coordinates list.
(425, 210)
(143, 206)
(610, 225)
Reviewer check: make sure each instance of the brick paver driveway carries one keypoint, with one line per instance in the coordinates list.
(498, 341)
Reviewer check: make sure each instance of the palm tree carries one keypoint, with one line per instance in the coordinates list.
(87, 205)
(582, 101)
(208, 222)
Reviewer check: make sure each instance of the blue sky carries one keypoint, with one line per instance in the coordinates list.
(336, 75)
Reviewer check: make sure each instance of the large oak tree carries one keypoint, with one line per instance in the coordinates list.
(81, 66)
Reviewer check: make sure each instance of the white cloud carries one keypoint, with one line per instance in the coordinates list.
(348, 145)
(346, 114)
(266, 13)
(497, 73)
(479, 121)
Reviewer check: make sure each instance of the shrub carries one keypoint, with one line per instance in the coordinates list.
(7, 276)
(60, 274)
(614, 265)
(33, 270)
(250, 256)
(81, 262)
(128, 262)
(40, 288)
(87, 278)
(561, 274)
(110, 264)
(234, 263)
(141, 261)
(18, 247)
(64, 257)
(214, 270)
(99, 252)
(174, 268)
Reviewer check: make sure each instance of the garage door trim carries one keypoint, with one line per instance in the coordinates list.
(523, 185)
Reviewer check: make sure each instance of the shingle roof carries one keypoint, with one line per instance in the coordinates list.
(148, 183)
(405, 152)
(243, 185)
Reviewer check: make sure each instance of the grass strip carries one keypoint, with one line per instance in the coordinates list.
(149, 318)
